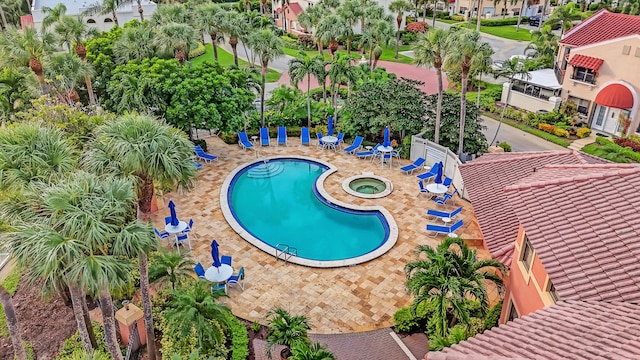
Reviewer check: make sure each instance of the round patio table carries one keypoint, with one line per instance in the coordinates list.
(330, 140)
(437, 188)
(182, 226)
(385, 150)
(218, 274)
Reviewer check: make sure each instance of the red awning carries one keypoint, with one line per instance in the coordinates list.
(616, 96)
(584, 61)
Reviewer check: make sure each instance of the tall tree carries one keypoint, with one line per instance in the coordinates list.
(284, 5)
(341, 71)
(446, 277)
(526, 3)
(330, 29)
(177, 39)
(146, 149)
(268, 47)
(469, 50)
(234, 27)
(25, 48)
(565, 15)
(52, 15)
(504, 5)
(399, 7)
(378, 34)
(210, 19)
(350, 12)
(66, 71)
(512, 68)
(302, 66)
(135, 43)
(430, 51)
(544, 44)
(12, 324)
(310, 20)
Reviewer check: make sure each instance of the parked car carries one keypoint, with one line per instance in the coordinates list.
(535, 21)
(497, 65)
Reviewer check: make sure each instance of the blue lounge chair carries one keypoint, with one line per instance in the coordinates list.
(264, 137)
(368, 153)
(435, 214)
(196, 165)
(448, 230)
(282, 135)
(305, 138)
(237, 279)
(357, 142)
(203, 155)
(199, 269)
(161, 235)
(431, 173)
(443, 200)
(243, 141)
(423, 189)
(455, 227)
(411, 167)
(226, 259)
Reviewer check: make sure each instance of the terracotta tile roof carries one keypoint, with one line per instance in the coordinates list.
(583, 223)
(487, 176)
(601, 26)
(567, 330)
(585, 61)
(296, 8)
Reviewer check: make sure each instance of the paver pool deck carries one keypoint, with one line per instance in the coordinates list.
(335, 300)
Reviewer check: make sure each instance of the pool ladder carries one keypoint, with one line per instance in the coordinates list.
(286, 252)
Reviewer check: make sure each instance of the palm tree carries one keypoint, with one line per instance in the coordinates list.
(350, 12)
(268, 47)
(430, 50)
(134, 94)
(284, 5)
(195, 308)
(528, 4)
(171, 13)
(544, 43)
(469, 51)
(177, 39)
(341, 71)
(210, 18)
(66, 70)
(285, 329)
(12, 324)
(18, 86)
(151, 152)
(565, 15)
(25, 48)
(511, 69)
(234, 27)
(310, 20)
(330, 29)
(52, 15)
(446, 277)
(378, 35)
(169, 267)
(399, 7)
(135, 43)
(315, 351)
(104, 7)
(302, 66)
(504, 5)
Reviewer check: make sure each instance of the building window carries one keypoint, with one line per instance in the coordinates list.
(584, 74)
(91, 21)
(552, 292)
(108, 20)
(527, 254)
(513, 313)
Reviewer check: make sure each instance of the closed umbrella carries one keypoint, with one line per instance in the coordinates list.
(330, 125)
(174, 217)
(438, 179)
(215, 254)
(386, 141)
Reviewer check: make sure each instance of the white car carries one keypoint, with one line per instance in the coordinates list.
(497, 65)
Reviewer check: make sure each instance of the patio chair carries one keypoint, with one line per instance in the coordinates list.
(196, 165)
(443, 200)
(243, 141)
(368, 153)
(396, 153)
(182, 238)
(199, 269)
(305, 138)
(167, 220)
(431, 173)
(340, 141)
(282, 135)
(189, 228)
(411, 167)
(435, 214)
(423, 189)
(226, 259)
(454, 227)
(264, 137)
(447, 181)
(320, 142)
(219, 287)
(357, 142)
(237, 279)
(203, 155)
(437, 229)
(161, 235)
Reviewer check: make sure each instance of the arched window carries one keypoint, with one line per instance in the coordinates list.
(108, 20)
(91, 21)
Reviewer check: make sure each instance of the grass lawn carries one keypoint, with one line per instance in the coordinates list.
(507, 32)
(388, 54)
(448, 21)
(226, 58)
(473, 95)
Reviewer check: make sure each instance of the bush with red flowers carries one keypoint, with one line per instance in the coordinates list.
(626, 142)
(417, 27)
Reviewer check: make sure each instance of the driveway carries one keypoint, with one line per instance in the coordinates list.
(518, 139)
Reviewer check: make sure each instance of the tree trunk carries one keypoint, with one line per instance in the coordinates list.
(214, 37)
(463, 109)
(146, 194)
(12, 324)
(233, 41)
(4, 19)
(478, 17)
(436, 136)
(473, 5)
(87, 320)
(106, 306)
(92, 99)
(264, 75)
(544, 10)
(520, 15)
(335, 104)
(397, 41)
(115, 17)
(76, 301)
(348, 46)
(434, 13)
(320, 48)
(308, 100)
(324, 90)
(146, 306)
(504, 108)
(371, 57)
(140, 11)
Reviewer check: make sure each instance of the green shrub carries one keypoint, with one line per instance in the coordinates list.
(10, 283)
(457, 17)
(306, 41)
(197, 51)
(72, 347)
(493, 316)
(505, 146)
(583, 132)
(256, 326)
(201, 142)
(408, 37)
(406, 147)
(239, 338)
(502, 22)
(539, 133)
(561, 132)
(229, 138)
(406, 320)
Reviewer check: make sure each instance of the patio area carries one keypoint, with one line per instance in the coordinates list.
(337, 300)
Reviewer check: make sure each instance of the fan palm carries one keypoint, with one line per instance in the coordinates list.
(148, 151)
(12, 324)
(168, 266)
(310, 20)
(18, 86)
(195, 308)
(315, 351)
(544, 45)
(350, 11)
(132, 93)
(268, 47)
(469, 51)
(136, 43)
(52, 15)
(565, 15)
(177, 39)
(378, 34)
(210, 18)
(341, 71)
(446, 277)
(285, 329)
(330, 28)
(399, 7)
(168, 13)
(234, 27)
(430, 51)
(25, 48)
(66, 70)
(302, 66)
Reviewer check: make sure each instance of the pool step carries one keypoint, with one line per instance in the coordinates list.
(267, 170)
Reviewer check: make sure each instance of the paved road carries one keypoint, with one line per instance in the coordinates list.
(518, 139)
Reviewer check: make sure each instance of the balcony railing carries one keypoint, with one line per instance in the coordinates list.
(558, 72)
(531, 91)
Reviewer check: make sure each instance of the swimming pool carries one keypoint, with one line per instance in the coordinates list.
(283, 201)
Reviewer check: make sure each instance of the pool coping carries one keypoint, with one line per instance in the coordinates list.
(379, 251)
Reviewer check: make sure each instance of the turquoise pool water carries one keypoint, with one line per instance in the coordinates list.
(278, 204)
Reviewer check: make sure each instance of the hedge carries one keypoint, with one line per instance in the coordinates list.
(239, 338)
(539, 133)
(197, 51)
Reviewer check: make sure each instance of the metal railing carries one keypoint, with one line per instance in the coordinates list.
(133, 349)
(285, 251)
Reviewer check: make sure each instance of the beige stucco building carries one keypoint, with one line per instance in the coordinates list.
(461, 7)
(598, 65)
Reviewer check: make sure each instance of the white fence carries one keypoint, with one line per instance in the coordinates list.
(434, 153)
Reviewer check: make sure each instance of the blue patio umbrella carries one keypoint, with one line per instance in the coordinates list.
(386, 141)
(330, 125)
(174, 217)
(215, 254)
(438, 179)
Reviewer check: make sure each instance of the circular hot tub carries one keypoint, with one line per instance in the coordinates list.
(367, 186)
